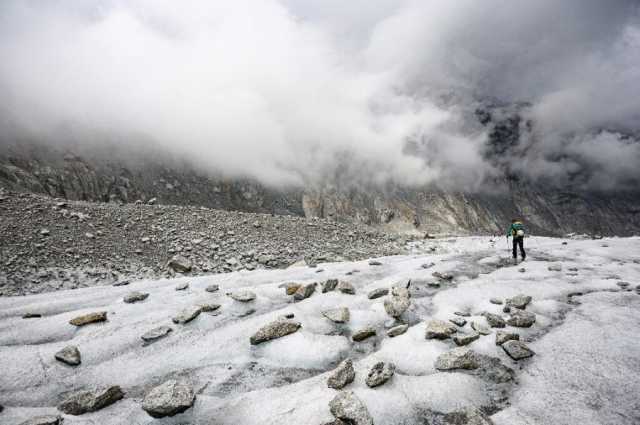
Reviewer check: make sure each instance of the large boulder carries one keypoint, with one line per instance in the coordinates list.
(521, 319)
(168, 399)
(337, 315)
(82, 402)
(380, 373)
(458, 358)
(274, 330)
(180, 264)
(69, 355)
(86, 319)
(438, 329)
(398, 303)
(349, 408)
(343, 375)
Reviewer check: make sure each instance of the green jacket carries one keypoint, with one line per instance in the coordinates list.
(513, 230)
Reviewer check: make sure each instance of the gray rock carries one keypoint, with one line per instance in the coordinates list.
(135, 296)
(31, 315)
(462, 313)
(156, 333)
(496, 301)
(519, 301)
(242, 296)
(346, 288)
(502, 337)
(458, 358)
(87, 319)
(337, 315)
(304, 291)
(521, 319)
(208, 308)
(494, 320)
(442, 276)
(377, 293)
(274, 330)
(212, 288)
(465, 339)
(517, 350)
(374, 263)
(343, 375)
(438, 329)
(69, 355)
(187, 315)
(122, 283)
(398, 303)
(43, 420)
(347, 407)
(168, 399)
(82, 402)
(397, 330)
(555, 268)
(623, 284)
(458, 321)
(180, 264)
(329, 285)
(380, 373)
(182, 286)
(480, 328)
(363, 334)
(467, 416)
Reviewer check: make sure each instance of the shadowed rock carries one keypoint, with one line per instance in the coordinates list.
(329, 285)
(135, 296)
(69, 355)
(377, 293)
(465, 339)
(343, 375)
(363, 334)
(380, 373)
(346, 288)
(82, 402)
(517, 350)
(438, 329)
(212, 288)
(502, 337)
(304, 291)
(180, 264)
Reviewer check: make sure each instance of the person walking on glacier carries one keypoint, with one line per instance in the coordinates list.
(517, 232)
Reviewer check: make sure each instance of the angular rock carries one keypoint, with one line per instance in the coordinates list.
(212, 288)
(187, 315)
(180, 264)
(342, 376)
(377, 293)
(168, 399)
(135, 296)
(242, 296)
(397, 330)
(502, 337)
(521, 319)
(87, 319)
(380, 373)
(465, 339)
(458, 321)
(182, 286)
(480, 328)
(346, 288)
(519, 301)
(363, 334)
(304, 292)
(274, 330)
(517, 350)
(292, 288)
(438, 329)
(494, 320)
(329, 285)
(43, 420)
(347, 407)
(82, 402)
(69, 355)
(156, 333)
(458, 358)
(337, 315)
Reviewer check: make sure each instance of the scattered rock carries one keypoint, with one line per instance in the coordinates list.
(480, 328)
(122, 283)
(623, 284)
(212, 288)
(374, 263)
(502, 337)
(363, 334)
(31, 315)
(398, 303)
(462, 313)
(304, 292)
(506, 309)
(45, 232)
(87, 319)
(521, 319)
(438, 329)
(468, 416)
(329, 285)
(380, 373)
(346, 288)
(135, 296)
(377, 293)
(292, 288)
(458, 358)
(274, 330)
(69, 355)
(347, 407)
(458, 321)
(494, 320)
(168, 399)
(156, 333)
(43, 420)
(82, 402)
(522, 270)
(517, 350)
(180, 264)
(242, 296)
(496, 301)
(342, 376)
(208, 308)
(182, 286)
(337, 315)
(397, 330)
(520, 301)
(442, 276)
(187, 315)
(555, 268)
(465, 339)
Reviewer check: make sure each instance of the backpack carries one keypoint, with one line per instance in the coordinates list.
(518, 230)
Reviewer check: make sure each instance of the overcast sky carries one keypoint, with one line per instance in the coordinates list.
(289, 91)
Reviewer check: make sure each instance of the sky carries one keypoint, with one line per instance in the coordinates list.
(297, 92)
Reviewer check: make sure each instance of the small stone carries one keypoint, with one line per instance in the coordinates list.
(623, 284)
(212, 288)
(87, 319)
(480, 328)
(517, 350)
(168, 399)
(377, 293)
(208, 308)
(329, 285)
(397, 330)
(31, 315)
(363, 334)
(187, 315)
(442, 276)
(462, 313)
(69, 355)
(502, 337)
(82, 402)
(522, 270)
(349, 408)
(337, 315)
(179, 264)
(292, 288)
(494, 320)
(45, 232)
(242, 296)
(156, 333)
(182, 286)
(342, 376)
(438, 329)
(520, 301)
(374, 263)
(496, 301)
(465, 339)
(122, 283)
(467, 416)
(43, 420)
(274, 330)
(304, 292)
(555, 268)
(521, 319)
(458, 358)
(346, 288)
(458, 321)
(380, 373)
(135, 296)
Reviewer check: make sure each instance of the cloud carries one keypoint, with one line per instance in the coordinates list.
(299, 92)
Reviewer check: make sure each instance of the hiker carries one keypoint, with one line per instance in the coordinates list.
(517, 231)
